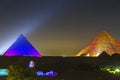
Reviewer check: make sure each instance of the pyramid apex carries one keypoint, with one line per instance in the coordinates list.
(21, 35)
(104, 31)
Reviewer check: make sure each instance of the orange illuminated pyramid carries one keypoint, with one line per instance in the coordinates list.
(102, 42)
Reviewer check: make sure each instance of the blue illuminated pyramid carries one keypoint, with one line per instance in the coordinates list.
(22, 47)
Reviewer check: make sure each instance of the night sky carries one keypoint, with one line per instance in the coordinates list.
(57, 27)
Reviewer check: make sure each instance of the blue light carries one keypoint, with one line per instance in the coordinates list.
(40, 73)
(51, 73)
(3, 72)
(36, 18)
(47, 74)
(22, 47)
(31, 64)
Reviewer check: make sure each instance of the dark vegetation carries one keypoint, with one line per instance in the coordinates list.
(68, 68)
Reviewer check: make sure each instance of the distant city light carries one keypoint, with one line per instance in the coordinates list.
(3, 72)
(48, 74)
(31, 64)
(40, 73)
(112, 69)
(51, 73)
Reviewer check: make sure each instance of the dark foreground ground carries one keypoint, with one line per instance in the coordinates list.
(68, 68)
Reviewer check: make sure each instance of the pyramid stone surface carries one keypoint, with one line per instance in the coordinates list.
(22, 47)
(102, 42)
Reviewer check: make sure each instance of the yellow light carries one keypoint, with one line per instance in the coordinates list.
(111, 70)
(117, 70)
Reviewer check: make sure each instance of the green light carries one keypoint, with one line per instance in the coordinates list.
(117, 70)
(111, 69)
